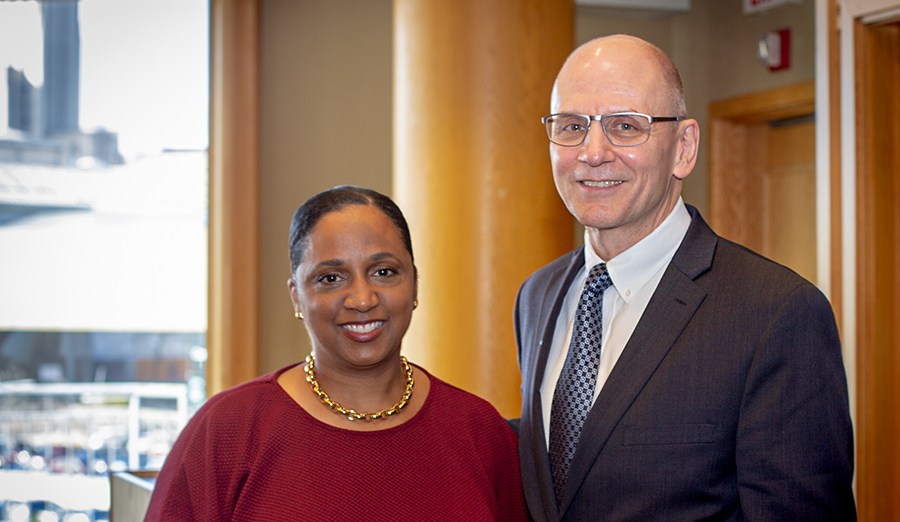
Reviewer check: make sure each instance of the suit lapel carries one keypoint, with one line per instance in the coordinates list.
(549, 310)
(674, 302)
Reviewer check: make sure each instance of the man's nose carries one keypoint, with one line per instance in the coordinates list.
(596, 147)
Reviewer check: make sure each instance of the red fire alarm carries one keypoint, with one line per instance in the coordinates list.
(775, 49)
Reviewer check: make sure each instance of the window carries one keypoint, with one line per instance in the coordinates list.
(103, 207)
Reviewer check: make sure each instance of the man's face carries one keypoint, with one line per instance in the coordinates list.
(622, 193)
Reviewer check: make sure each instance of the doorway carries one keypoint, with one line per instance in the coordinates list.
(762, 185)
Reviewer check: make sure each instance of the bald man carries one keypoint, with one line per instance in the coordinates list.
(667, 373)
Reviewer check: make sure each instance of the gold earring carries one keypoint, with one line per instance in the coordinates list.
(299, 315)
(415, 303)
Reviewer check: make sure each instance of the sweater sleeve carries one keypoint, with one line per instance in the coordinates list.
(202, 475)
(510, 497)
(496, 449)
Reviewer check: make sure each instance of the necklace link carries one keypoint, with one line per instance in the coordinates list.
(309, 368)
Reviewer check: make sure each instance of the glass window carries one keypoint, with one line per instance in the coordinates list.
(103, 230)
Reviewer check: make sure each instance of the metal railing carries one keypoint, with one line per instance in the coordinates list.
(83, 431)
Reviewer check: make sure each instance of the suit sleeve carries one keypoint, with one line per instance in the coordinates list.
(794, 448)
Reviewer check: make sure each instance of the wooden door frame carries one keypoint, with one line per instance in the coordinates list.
(844, 66)
(234, 182)
(735, 196)
(878, 278)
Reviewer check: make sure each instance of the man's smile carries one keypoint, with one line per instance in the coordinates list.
(600, 183)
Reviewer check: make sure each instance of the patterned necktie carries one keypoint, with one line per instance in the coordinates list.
(575, 387)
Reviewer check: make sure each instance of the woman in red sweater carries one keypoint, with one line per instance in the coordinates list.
(356, 432)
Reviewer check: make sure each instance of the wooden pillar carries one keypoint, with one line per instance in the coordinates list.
(472, 79)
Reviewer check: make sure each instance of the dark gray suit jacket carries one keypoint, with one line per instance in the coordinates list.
(729, 401)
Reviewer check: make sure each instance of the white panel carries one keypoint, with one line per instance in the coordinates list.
(823, 157)
(848, 199)
(658, 5)
(859, 8)
(761, 6)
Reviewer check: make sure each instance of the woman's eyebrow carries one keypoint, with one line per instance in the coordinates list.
(331, 262)
(382, 255)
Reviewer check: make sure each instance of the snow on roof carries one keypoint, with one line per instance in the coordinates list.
(115, 249)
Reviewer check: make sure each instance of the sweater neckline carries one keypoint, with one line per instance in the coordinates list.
(412, 421)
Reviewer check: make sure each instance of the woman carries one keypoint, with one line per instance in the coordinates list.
(355, 433)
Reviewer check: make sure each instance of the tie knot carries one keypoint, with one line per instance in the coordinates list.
(598, 279)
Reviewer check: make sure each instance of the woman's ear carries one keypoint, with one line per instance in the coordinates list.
(292, 289)
(687, 148)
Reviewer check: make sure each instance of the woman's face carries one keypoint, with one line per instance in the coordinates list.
(355, 287)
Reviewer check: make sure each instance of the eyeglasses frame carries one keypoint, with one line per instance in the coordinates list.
(590, 119)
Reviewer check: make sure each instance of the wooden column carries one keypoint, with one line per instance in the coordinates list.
(472, 174)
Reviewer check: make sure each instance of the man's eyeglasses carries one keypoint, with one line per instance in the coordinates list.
(625, 129)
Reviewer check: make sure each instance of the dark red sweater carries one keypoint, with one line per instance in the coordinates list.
(252, 453)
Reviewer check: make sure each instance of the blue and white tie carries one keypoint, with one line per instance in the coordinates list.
(575, 388)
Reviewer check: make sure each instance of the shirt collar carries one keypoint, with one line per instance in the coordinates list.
(633, 268)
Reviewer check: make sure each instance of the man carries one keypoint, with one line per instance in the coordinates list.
(719, 391)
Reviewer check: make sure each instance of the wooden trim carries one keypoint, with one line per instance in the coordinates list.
(233, 329)
(877, 73)
(774, 104)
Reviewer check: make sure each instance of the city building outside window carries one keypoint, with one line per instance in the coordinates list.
(103, 259)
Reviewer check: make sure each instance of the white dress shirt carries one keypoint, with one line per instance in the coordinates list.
(635, 274)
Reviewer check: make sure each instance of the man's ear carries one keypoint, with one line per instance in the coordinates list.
(687, 148)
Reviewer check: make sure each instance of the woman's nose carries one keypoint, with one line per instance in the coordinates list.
(362, 296)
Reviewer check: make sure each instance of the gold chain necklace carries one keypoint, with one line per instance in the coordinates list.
(309, 368)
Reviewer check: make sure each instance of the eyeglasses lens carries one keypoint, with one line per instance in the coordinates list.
(626, 129)
(567, 129)
(621, 129)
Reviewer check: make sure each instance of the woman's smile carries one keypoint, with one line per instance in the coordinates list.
(363, 328)
(363, 332)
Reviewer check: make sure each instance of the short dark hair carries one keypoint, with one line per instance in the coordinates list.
(308, 215)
